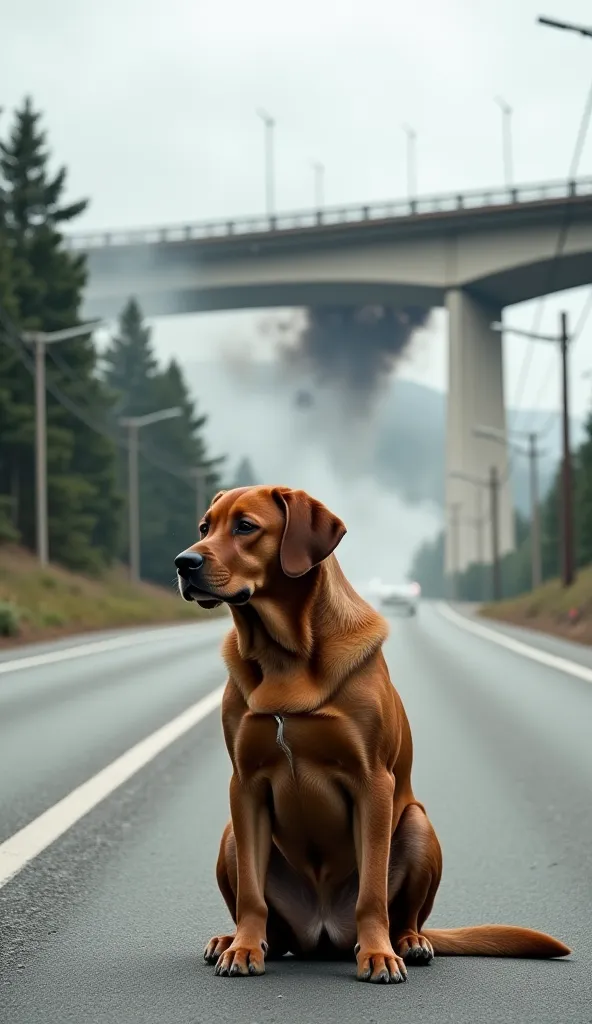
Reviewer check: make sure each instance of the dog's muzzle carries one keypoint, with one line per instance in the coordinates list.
(189, 565)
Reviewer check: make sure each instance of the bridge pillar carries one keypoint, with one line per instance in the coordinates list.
(475, 398)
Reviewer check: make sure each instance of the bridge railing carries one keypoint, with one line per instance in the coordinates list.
(334, 215)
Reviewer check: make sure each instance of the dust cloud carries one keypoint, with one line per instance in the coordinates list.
(308, 419)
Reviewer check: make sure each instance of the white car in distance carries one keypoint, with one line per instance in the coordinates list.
(403, 596)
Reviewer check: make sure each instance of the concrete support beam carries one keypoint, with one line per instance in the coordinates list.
(475, 398)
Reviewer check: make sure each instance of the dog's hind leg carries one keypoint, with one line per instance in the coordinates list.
(280, 939)
(415, 870)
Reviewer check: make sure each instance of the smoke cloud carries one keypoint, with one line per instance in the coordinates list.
(311, 418)
(350, 350)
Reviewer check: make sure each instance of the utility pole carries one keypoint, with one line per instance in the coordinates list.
(454, 527)
(494, 512)
(533, 452)
(269, 125)
(42, 525)
(200, 475)
(480, 528)
(133, 503)
(568, 571)
(134, 425)
(40, 340)
(535, 514)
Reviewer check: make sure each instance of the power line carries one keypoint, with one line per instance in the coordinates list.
(559, 247)
(145, 446)
(12, 338)
(575, 337)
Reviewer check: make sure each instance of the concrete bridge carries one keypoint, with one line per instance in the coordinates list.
(473, 254)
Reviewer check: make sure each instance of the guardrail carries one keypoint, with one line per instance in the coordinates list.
(331, 215)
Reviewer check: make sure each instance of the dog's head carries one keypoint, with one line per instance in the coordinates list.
(250, 539)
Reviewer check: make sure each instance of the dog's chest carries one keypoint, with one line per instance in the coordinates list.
(267, 743)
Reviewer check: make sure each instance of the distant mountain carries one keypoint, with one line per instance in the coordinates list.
(412, 437)
(409, 452)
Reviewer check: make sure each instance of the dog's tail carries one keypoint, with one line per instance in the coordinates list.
(494, 940)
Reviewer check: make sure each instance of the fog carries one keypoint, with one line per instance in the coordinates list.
(323, 446)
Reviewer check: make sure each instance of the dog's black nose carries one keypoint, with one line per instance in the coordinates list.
(188, 562)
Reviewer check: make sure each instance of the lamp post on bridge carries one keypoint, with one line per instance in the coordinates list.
(269, 126)
(507, 112)
(568, 572)
(411, 162)
(319, 184)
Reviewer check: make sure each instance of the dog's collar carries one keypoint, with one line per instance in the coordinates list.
(281, 742)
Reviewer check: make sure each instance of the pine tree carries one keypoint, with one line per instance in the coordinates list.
(84, 507)
(129, 363)
(245, 474)
(169, 450)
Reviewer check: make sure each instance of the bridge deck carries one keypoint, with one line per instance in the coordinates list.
(426, 211)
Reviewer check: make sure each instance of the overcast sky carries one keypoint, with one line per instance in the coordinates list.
(151, 104)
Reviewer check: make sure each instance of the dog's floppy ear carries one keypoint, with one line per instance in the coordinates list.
(217, 497)
(311, 532)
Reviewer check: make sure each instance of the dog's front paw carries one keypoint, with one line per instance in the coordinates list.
(241, 959)
(380, 967)
(216, 946)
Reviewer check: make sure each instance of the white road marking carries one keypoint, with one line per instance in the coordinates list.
(30, 841)
(572, 668)
(82, 650)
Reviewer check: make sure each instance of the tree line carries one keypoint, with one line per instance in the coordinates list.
(88, 392)
(475, 583)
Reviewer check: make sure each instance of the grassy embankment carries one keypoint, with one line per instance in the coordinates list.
(40, 604)
(551, 609)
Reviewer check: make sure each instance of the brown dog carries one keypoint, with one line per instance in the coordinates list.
(328, 851)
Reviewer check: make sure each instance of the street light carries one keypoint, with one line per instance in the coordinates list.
(492, 483)
(569, 26)
(477, 482)
(507, 112)
(269, 124)
(568, 561)
(134, 425)
(319, 182)
(533, 452)
(411, 161)
(40, 339)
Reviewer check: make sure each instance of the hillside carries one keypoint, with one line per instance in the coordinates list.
(36, 605)
(551, 609)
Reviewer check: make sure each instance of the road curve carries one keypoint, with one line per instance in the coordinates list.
(108, 922)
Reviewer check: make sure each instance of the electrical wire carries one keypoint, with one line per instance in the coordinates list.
(559, 246)
(14, 340)
(157, 458)
(573, 340)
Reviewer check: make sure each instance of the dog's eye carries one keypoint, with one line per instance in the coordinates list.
(244, 526)
(203, 529)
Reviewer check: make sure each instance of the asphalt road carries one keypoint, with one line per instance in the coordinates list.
(108, 923)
